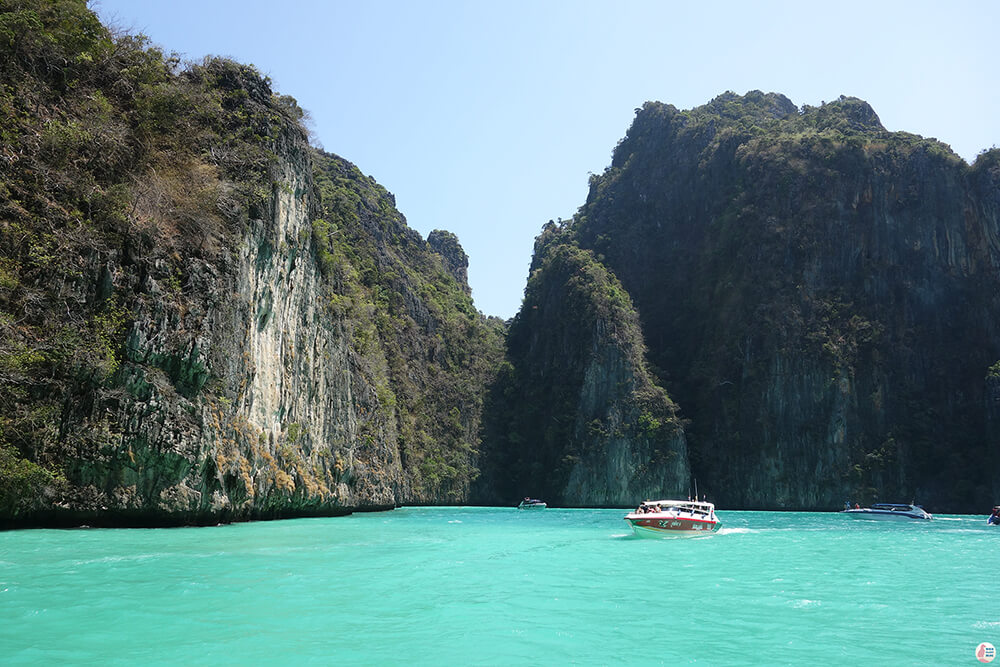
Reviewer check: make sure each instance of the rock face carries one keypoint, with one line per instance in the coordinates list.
(456, 261)
(575, 416)
(821, 294)
(425, 348)
(242, 398)
(226, 324)
(204, 319)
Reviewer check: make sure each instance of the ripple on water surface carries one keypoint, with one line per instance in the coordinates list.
(499, 586)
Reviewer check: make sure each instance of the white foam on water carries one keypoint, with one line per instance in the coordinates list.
(800, 604)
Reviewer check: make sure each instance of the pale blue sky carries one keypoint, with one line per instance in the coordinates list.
(486, 119)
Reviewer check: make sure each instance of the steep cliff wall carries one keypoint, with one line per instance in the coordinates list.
(575, 416)
(237, 397)
(430, 353)
(204, 319)
(985, 184)
(821, 292)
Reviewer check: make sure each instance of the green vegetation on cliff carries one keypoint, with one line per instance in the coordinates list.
(575, 416)
(821, 294)
(110, 154)
(402, 304)
(202, 318)
(165, 353)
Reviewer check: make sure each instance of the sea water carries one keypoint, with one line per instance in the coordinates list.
(499, 586)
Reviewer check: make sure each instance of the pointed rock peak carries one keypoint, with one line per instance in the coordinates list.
(859, 113)
(844, 113)
(754, 103)
(456, 262)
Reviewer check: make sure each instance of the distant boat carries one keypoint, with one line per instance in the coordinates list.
(668, 518)
(994, 518)
(532, 504)
(888, 511)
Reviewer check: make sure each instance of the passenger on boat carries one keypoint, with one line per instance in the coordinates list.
(995, 517)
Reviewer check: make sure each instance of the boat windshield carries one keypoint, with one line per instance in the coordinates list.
(694, 507)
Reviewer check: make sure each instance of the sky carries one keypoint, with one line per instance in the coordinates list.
(486, 119)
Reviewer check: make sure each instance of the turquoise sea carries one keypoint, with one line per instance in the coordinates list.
(498, 586)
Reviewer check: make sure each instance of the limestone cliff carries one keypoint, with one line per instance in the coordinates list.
(203, 318)
(821, 293)
(575, 416)
(456, 261)
(237, 396)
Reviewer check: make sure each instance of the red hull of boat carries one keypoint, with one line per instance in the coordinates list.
(668, 525)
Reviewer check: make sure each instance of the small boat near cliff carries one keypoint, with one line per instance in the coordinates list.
(994, 518)
(889, 512)
(532, 504)
(669, 518)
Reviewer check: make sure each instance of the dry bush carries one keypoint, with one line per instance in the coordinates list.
(178, 205)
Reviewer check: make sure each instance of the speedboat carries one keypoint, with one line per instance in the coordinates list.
(888, 511)
(531, 504)
(667, 518)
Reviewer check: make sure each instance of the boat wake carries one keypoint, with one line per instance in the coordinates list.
(736, 531)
